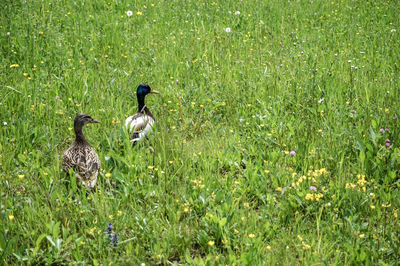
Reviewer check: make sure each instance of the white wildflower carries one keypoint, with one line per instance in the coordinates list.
(227, 29)
(129, 13)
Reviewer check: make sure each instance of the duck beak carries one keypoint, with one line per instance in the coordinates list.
(94, 121)
(155, 92)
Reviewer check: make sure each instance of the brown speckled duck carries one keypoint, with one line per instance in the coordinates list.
(80, 156)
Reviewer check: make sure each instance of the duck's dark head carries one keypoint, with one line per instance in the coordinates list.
(144, 89)
(141, 92)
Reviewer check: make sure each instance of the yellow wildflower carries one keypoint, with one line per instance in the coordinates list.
(91, 231)
(305, 245)
(310, 196)
(211, 243)
(108, 175)
(11, 217)
(318, 196)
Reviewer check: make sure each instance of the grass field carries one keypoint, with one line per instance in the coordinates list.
(276, 137)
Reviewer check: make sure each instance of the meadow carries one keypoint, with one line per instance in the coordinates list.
(276, 137)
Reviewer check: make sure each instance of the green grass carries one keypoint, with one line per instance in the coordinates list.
(320, 78)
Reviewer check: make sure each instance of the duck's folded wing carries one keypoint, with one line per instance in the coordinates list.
(92, 164)
(131, 121)
(66, 162)
(139, 126)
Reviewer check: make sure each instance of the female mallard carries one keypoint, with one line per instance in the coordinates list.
(80, 156)
(140, 124)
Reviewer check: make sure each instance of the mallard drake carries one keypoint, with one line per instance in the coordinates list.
(140, 124)
(80, 156)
